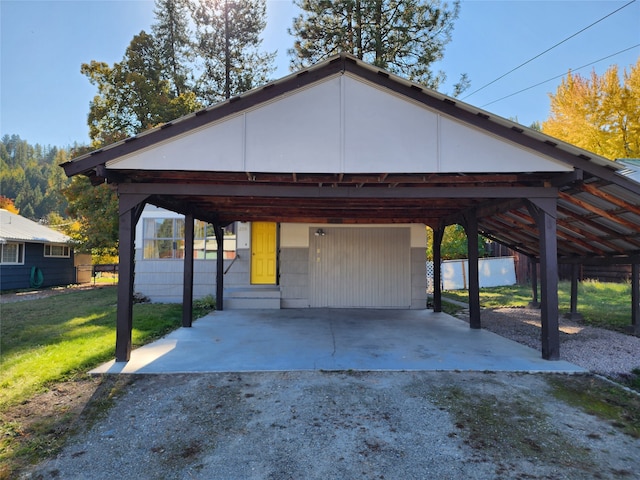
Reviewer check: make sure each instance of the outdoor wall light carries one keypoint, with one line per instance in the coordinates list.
(320, 233)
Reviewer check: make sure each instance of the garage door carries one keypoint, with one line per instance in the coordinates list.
(360, 268)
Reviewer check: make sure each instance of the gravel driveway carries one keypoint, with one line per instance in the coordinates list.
(368, 425)
(344, 425)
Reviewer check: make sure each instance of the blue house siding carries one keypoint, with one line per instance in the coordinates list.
(56, 271)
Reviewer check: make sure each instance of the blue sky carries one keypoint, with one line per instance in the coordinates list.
(45, 99)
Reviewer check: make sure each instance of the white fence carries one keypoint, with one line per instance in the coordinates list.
(492, 272)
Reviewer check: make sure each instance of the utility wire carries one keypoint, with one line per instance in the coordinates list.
(547, 50)
(562, 75)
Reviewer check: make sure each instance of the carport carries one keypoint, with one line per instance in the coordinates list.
(344, 143)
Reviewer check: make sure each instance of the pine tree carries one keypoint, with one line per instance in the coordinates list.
(227, 43)
(173, 37)
(404, 37)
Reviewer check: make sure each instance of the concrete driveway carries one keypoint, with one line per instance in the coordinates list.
(332, 339)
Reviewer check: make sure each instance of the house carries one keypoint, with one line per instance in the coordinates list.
(330, 176)
(32, 255)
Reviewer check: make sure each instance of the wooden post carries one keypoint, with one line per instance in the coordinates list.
(573, 312)
(217, 228)
(129, 209)
(544, 211)
(471, 228)
(635, 298)
(187, 283)
(438, 233)
(533, 265)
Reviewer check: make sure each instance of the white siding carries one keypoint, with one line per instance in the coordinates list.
(341, 124)
(360, 267)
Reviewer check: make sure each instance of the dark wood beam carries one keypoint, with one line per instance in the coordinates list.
(471, 228)
(217, 229)
(438, 234)
(635, 298)
(130, 208)
(187, 282)
(291, 191)
(544, 212)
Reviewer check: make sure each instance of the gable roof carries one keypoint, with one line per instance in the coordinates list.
(345, 142)
(14, 228)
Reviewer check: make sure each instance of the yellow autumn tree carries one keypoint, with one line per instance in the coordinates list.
(598, 113)
(7, 204)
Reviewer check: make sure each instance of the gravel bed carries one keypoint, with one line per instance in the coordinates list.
(601, 351)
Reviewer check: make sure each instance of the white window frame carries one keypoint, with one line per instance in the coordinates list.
(18, 258)
(48, 247)
(205, 245)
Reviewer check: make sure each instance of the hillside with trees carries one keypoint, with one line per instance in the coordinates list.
(31, 178)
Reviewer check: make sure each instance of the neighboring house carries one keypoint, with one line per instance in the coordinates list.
(32, 255)
(632, 169)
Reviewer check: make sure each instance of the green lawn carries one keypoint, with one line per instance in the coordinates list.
(47, 341)
(602, 304)
(50, 339)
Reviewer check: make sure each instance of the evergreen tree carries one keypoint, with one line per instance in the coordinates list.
(30, 177)
(133, 95)
(402, 36)
(172, 35)
(227, 43)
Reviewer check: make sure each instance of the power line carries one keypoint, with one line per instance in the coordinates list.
(547, 50)
(562, 75)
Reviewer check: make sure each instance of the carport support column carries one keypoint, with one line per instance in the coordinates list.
(543, 210)
(130, 208)
(573, 312)
(438, 233)
(635, 298)
(471, 228)
(187, 282)
(533, 266)
(217, 228)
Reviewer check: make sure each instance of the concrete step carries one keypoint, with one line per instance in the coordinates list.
(253, 291)
(252, 297)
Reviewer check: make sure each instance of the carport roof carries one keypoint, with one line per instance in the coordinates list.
(598, 214)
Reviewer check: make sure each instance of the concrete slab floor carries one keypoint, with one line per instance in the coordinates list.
(332, 339)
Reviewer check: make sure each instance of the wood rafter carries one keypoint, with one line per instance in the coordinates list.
(598, 211)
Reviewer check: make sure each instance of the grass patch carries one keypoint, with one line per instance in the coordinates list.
(602, 304)
(602, 399)
(508, 428)
(54, 341)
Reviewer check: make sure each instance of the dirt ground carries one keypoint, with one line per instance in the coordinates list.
(332, 425)
(24, 295)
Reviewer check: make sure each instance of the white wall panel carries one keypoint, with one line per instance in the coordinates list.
(466, 149)
(297, 133)
(215, 147)
(340, 125)
(385, 133)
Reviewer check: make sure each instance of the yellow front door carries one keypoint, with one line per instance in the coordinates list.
(263, 253)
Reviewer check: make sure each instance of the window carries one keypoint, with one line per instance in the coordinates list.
(61, 251)
(12, 253)
(163, 238)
